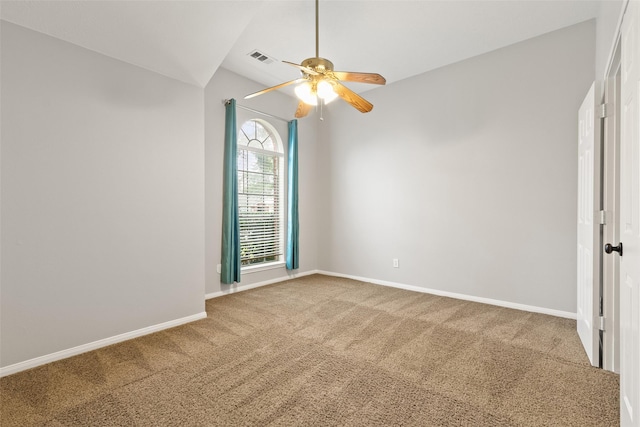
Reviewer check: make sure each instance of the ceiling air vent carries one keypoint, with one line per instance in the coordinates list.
(261, 56)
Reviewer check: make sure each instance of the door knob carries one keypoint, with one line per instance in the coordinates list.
(608, 248)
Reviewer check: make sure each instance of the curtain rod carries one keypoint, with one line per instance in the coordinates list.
(226, 101)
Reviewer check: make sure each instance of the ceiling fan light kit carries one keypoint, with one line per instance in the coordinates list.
(309, 93)
(320, 84)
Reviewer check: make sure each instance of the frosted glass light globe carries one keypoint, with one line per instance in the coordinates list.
(306, 94)
(326, 92)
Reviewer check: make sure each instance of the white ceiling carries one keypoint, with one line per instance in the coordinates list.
(189, 40)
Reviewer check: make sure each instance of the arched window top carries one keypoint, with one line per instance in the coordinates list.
(259, 134)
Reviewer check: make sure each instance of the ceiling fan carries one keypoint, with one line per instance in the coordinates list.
(320, 84)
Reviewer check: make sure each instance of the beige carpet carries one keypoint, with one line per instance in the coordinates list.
(322, 351)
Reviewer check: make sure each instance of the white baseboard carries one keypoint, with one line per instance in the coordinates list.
(38, 361)
(63, 354)
(231, 289)
(499, 303)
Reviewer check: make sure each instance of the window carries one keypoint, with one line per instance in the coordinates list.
(260, 183)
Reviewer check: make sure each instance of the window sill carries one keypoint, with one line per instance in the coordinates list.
(262, 267)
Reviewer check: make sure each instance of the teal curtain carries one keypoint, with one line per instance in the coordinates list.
(230, 263)
(293, 226)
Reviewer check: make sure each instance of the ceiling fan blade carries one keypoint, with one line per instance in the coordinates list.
(302, 68)
(351, 97)
(269, 89)
(371, 78)
(303, 109)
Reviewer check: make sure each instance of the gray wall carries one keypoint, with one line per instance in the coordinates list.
(466, 174)
(111, 184)
(224, 85)
(102, 197)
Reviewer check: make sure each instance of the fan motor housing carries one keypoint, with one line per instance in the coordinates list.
(318, 64)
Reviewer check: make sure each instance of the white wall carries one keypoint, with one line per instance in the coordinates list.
(466, 174)
(224, 85)
(102, 197)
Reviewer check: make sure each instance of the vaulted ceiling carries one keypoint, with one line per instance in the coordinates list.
(190, 40)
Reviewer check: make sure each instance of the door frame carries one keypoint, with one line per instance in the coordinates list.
(629, 380)
(610, 308)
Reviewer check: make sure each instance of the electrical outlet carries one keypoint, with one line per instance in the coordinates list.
(219, 268)
(396, 264)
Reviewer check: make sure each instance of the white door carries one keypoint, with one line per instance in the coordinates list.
(630, 222)
(588, 227)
